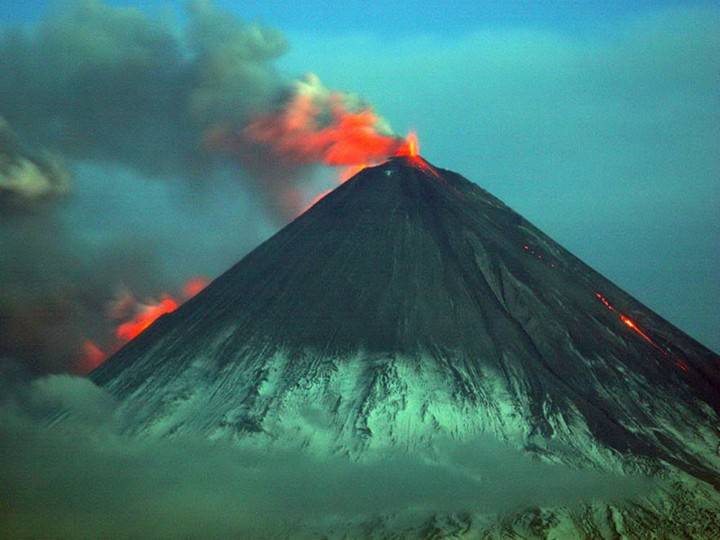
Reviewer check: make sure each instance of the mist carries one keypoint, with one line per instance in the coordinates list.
(82, 477)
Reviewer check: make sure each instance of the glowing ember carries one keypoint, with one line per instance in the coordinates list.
(604, 301)
(538, 255)
(194, 286)
(92, 356)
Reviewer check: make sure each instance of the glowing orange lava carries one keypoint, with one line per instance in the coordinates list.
(142, 315)
(412, 144)
(632, 325)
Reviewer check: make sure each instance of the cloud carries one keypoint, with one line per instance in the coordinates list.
(83, 478)
(25, 179)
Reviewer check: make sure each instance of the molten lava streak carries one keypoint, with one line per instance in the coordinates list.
(632, 325)
(627, 321)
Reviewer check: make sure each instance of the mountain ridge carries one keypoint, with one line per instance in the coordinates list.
(410, 305)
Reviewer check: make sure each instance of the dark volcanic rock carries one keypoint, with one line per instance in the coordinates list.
(415, 276)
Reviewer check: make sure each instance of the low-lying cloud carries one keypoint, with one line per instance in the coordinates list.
(82, 478)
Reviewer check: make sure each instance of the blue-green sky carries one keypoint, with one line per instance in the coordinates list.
(598, 121)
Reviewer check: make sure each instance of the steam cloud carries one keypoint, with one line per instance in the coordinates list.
(83, 478)
(115, 92)
(27, 179)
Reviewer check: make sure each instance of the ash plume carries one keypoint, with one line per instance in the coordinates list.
(311, 125)
(105, 83)
(98, 82)
(54, 288)
(123, 94)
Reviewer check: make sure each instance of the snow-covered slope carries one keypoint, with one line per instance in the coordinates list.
(410, 305)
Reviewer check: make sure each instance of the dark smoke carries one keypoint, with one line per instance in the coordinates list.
(112, 84)
(54, 288)
(98, 82)
(111, 94)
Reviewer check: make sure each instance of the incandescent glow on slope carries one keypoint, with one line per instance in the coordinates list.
(632, 325)
(139, 317)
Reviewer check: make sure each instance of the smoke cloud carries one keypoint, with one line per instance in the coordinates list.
(96, 97)
(98, 82)
(25, 180)
(106, 83)
(82, 478)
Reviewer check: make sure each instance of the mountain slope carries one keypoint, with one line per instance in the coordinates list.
(407, 305)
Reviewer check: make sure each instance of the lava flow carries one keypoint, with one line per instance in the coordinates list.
(628, 322)
(632, 325)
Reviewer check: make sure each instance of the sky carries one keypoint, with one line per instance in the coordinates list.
(406, 17)
(596, 121)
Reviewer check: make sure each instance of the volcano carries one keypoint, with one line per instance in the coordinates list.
(409, 304)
